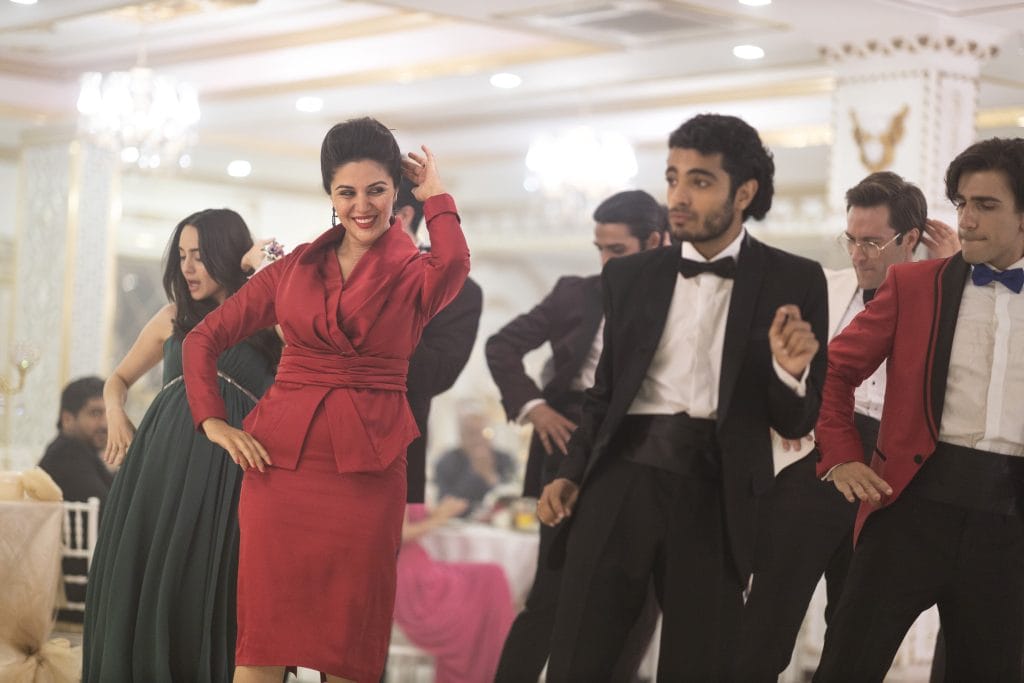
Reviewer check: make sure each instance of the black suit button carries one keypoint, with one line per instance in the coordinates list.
(918, 458)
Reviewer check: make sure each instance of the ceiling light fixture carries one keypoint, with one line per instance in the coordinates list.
(309, 105)
(24, 2)
(755, 3)
(239, 168)
(580, 161)
(139, 109)
(748, 52)
(506, 80)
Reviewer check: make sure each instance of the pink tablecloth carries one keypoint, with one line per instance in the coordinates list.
(515, 551)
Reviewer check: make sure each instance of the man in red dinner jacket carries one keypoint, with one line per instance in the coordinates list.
(939, 520)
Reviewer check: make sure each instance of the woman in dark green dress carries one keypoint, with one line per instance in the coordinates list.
(160, 601)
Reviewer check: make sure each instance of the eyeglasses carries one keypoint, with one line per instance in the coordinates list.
(867, 247)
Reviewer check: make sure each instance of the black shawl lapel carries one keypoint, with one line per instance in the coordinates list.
(654, 313)
(742, 304)
(949, 290)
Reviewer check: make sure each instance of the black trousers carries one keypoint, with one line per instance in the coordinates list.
(806, 531)
(529, 640)
(633, 523)
(917, 553)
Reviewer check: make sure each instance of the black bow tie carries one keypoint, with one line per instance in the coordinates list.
(869, 294)
(723, 267)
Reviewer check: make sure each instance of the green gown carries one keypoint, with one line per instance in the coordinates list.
(160, 601)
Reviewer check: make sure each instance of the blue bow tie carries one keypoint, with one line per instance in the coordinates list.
(981, 275)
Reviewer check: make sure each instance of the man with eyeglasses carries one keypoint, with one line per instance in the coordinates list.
(939, 519)
(808, 525)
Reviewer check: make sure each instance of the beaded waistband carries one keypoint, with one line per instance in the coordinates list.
(227, 378)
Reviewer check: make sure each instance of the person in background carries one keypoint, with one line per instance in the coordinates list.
(470, 471)
(73, 462)
(806, 523)
(442, 352)
(570, 319)
(160, 601)
(459, 612)
(73, 459)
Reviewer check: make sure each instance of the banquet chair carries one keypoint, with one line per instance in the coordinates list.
(78, 541)
(406, 662)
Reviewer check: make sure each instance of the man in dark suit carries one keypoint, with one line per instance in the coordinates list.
(73, 458)
(73, 461)
(569, 319)
(807, 524)
(662, 476)
(939, 519)
(440, 356)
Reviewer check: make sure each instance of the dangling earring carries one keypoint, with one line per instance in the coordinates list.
(334, 217)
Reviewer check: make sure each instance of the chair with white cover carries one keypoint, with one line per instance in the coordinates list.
(78, 542)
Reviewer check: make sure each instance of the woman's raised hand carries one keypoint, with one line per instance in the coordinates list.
(422, 172)
(243, 449)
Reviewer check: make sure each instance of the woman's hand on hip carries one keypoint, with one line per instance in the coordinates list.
(120, 432)
(243, 449)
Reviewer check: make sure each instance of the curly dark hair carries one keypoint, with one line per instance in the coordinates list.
(994, 154)
(357, 140)
(744, 156)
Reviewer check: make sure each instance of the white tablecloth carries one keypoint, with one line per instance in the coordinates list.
(30, 554)
(515, 551)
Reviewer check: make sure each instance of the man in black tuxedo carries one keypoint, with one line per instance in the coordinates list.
(440, 356)
(569, 319)
(704, 352)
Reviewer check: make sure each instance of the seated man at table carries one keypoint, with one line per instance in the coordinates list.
(474, 468)
(73, 461)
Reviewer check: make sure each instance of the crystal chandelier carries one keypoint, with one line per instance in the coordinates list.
(150, 119)
(580, 161)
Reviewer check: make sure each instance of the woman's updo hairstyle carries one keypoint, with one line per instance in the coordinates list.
(358, 140)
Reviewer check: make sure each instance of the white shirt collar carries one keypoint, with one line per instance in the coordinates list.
(690, 251)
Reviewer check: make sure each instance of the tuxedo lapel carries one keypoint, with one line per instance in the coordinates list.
(742, 304)
(647, 324)
(949, 286)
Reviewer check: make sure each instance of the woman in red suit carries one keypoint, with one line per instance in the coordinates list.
(323, 495)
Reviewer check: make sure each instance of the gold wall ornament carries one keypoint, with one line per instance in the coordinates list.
(24, 356)
(888, 139)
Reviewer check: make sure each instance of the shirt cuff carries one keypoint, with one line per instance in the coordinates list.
(438, 204)
(798, 386)
(527, 407)
(828, 475)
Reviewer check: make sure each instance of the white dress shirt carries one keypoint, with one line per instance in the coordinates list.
(984, 404)
(584, 378)
(684, 374)
(870, 395)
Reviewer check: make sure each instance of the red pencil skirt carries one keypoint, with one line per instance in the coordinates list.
(316, 566)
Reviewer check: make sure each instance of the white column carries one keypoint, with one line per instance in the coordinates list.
(904, 104)
(62, 308)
